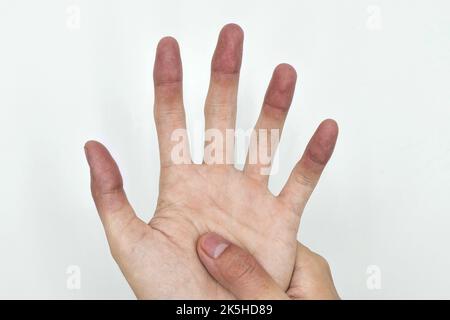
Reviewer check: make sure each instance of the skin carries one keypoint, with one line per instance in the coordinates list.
(159, 259)
(241, 274)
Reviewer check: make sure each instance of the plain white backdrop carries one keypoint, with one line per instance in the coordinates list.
(74, 70)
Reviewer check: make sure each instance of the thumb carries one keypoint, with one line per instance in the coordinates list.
(236, 269)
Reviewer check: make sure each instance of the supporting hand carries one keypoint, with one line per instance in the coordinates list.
(241, 274)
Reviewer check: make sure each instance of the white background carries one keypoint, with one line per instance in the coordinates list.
(380, 68)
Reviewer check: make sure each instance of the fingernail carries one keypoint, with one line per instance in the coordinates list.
(214, 245)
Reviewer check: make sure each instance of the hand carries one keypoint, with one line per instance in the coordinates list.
(159, 259)
(241, 274)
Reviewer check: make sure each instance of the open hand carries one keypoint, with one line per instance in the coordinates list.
(159, 259)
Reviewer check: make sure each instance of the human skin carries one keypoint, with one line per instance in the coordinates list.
(241, 274)
(159, 259)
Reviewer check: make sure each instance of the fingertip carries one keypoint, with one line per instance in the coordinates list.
(103, 167)
(285, 73)
(167, 43)
(90, 149)
(322, 143)
(330, 125)
(200, 243)
(90, 144)
(281, 88)
(328, 131)
(227, 56)
(233, 30)
(167, 61)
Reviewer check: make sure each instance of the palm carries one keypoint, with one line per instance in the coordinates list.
(195, 199)
(159, 259)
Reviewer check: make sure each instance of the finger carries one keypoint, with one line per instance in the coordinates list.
(316, 278)
(307, 171)
(236, 269)
(169, 110)
(221, 101)
(107, 188)
(269, 126)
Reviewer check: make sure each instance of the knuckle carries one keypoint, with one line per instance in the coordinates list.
(219, 110)
(303, 179)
